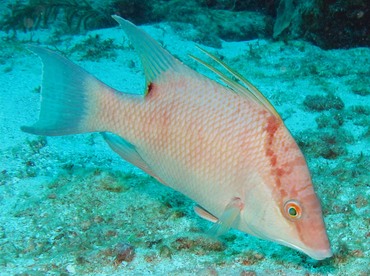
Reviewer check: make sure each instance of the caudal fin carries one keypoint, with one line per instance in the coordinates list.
(66, 97)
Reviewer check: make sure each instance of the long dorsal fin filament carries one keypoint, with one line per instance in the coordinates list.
(246, 88)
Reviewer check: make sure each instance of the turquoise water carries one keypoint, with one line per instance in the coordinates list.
(69, 205)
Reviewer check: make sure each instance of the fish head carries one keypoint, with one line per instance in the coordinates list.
(282, 205)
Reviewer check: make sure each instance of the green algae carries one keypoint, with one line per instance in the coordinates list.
(321, 103)
(95, 48)
(333, 119)
(37, 144)
(199, 246)
(327, 144)
(40, 13)
(360, 83)
(359, 115)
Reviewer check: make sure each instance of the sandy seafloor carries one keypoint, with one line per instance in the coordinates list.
(66, 202)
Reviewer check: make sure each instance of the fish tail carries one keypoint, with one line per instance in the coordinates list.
(68, 96)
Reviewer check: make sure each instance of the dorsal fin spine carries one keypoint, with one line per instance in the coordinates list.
(248, 90)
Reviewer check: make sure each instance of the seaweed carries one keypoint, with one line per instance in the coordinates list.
(285, 13)
(321, 103)
(329, 144)
(39, 13)
(94, 48)
(124, 252)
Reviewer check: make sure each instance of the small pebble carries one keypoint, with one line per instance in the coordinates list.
(71, 269)
(209, 271)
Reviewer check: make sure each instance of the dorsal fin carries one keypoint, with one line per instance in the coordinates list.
(154, 58)
(247, 89)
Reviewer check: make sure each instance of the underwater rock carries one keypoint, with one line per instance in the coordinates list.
(124, 252)
(361, 88)
(251, 258)
(321, 103)
(328, 144)
(284, 16)
(95, 48)
(240, 26)
(328, 24)
(137, 11)
(332, 120)
(198, 245)
(229, 25)
(248, 273)
(209, 271)
(75, 15)
(165, 252)
(338, 24)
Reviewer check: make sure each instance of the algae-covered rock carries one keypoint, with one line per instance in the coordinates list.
(124, 253)
(165, 252)
(362, 89)
(328, 24)
(334, 119)
(321, 103)
(338, 24)
(329, 144)
(199, 245)
(208, 26)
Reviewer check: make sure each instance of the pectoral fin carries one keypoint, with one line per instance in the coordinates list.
(204, 214)
(228, 218)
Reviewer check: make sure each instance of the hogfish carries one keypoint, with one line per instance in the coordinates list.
(222, 145)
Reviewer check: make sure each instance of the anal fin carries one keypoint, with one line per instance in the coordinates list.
(128, 152)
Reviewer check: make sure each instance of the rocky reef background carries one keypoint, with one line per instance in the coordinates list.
(70, 206)
(328, 24)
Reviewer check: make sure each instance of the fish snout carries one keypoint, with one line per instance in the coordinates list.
(320, 254)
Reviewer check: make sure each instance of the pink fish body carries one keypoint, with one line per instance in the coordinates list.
(225, 147)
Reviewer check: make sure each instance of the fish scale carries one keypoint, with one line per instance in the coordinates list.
(225, 147)
(209, 160)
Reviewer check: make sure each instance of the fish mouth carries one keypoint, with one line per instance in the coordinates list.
(317, 254)
(320, 254)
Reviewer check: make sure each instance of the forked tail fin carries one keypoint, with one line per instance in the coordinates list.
(68, 97)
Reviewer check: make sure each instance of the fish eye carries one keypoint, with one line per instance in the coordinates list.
(292, 209)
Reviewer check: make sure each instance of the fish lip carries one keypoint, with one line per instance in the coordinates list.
(317, 254)
(320, 254)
